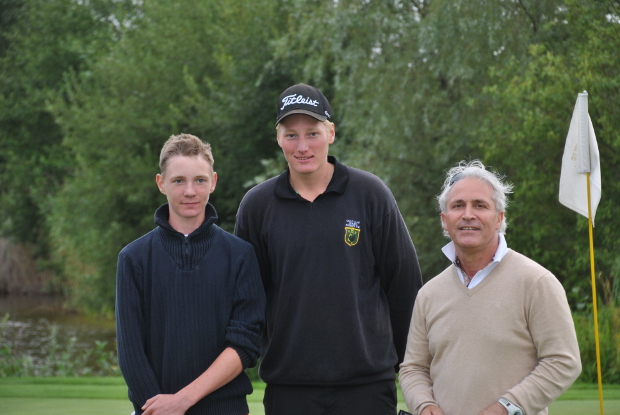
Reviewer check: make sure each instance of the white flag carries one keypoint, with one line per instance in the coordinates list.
(580, 157)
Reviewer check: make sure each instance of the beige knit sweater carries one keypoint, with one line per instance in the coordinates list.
(511, 336)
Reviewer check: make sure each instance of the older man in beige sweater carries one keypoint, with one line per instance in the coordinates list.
(492, 334)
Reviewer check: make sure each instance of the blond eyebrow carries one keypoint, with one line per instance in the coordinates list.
(311, 129)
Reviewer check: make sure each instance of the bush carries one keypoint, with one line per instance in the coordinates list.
(59, 359)
(609, 339)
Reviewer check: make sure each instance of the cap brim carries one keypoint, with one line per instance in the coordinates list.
(305, 112)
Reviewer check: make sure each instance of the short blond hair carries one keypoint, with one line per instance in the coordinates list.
(184, 145)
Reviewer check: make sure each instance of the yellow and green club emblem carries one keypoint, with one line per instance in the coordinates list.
(351, 235)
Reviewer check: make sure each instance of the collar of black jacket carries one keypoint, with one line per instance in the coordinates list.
(337, 184)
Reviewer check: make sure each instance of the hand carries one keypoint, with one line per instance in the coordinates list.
(431, 410)
(495, 409)
(166, 405)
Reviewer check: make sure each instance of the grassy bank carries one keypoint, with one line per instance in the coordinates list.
(108, 396)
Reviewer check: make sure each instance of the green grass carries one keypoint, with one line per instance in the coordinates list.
(64, 406)
(108, 396)
(82, 387)
(588, 391)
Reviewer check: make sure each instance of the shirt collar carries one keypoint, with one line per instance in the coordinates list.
(449, 250)
(162, 219)
(337, 184)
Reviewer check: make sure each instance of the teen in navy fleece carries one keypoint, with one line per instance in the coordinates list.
(190, 301)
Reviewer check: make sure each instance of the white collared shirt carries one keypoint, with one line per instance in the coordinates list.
(450, 251)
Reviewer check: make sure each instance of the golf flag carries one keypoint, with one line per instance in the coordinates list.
(580, 163)
(580, 157)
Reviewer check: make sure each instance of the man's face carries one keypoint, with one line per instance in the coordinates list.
(305, 142)
(187, 183)
(471, 218)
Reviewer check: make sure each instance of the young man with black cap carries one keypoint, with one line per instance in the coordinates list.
(339, 269)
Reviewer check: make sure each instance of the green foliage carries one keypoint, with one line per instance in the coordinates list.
(93, 89)
(41, 42)
(407, 86)
(415, 90)
(609, 343)
(195, 72)
(534, 103)
(61, 357)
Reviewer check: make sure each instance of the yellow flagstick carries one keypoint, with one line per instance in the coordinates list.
(594, 302)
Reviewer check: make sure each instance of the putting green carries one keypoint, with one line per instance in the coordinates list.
(108, 396)
(78, 406)
(64, 406)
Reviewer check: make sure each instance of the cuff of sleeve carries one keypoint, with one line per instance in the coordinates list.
(246, 359)
(421, 407)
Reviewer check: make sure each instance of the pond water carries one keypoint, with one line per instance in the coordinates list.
(33, 320)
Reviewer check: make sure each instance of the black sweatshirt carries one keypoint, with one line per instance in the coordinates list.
(180, 302)
(341, 276)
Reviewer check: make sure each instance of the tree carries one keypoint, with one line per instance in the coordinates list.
(406, 82)
(535, 103)
(94, 88)
(185, 67)
(40, 42)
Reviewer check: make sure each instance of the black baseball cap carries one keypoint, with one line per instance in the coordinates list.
(303, 99)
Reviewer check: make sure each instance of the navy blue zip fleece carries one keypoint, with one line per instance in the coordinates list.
(180, 302)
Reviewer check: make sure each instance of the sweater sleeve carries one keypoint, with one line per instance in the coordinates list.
(247, 231)
(400, 273)
(248, 314)
(415, 380)
(131, 334)
(553, 333)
